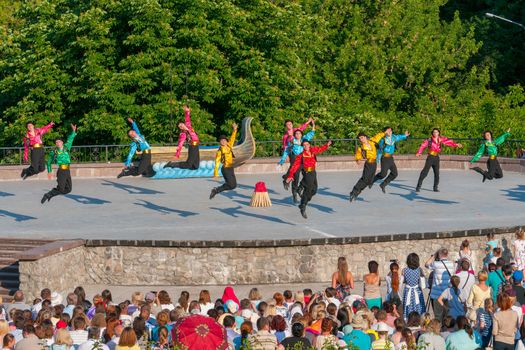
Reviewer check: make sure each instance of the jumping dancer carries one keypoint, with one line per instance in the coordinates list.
(307, 160)
(295, 148)
(60, 156)
(225, 157)
(434, 148)
(368, 152)
(493, 168)
(289, 131)
(33, 140)
(385, 152)
(140, 143)
(187, 133)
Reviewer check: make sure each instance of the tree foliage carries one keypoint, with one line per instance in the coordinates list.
(356, 65)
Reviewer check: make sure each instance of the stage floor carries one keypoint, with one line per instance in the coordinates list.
(140, 208)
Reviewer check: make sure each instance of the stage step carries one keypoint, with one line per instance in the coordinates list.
(9, 272)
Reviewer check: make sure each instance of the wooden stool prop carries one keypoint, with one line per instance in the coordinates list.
(260, 197)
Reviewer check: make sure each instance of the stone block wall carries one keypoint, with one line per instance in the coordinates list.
(238, 262)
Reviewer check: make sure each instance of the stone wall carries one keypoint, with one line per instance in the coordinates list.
(237, 262)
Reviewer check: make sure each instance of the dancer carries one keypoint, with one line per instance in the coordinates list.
(60, 156)
(307, 161)
(139, 142)
(295, 148)
(387, 147)
(289, 130)
(187, 133)
(493, 168)
(368, 152)
(33, 140)
(225, 157)
(434, 148)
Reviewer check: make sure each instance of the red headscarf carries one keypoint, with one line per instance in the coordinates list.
(229, 294)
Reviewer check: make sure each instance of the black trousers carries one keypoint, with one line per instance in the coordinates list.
(296, 176)
(144, 168)
(38, 163)
(192, 162)
(497, 345)
(367, 178)
(387, 164)
(229, 178)
(431, 162)
(64, 183)
(309, 184)
(493, 169)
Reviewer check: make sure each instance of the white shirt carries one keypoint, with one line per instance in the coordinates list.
(519, 311)
(205, 308)
(441, 276)
(466, 281)
(79, 336)
(90, 345)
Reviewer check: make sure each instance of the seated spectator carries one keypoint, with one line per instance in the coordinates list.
(164, 301)
(79, 333)
(399, 325)
(93, 338)
(432, 339)
(383, 342)
(278, 327)
(117, 331)
(408, 341)
(4, 329)
(357, 338)
(18, 303)
(125, 319)
(381, 317)
(62, 341)
(136, 299)
(45, 332)
(449, 324)
(463, 338)
(205, 302)
(128, 340)
(288, 299)
(164, 342)
(296, 340)
(242, 340)
(30, 340)
(263, 339)
(8, 343)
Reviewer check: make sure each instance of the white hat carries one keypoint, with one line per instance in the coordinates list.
(56, 299)
(382, 327)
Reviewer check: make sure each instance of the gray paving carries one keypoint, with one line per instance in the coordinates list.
(140, 208)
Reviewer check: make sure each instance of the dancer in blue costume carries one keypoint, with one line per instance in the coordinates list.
(385, 152)
(138, 143)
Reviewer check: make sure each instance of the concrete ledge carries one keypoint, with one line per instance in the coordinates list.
(49, 249)
(298, 242)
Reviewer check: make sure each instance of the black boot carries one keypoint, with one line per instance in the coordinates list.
(303, 211)
(353, 197)
(213, 192)
(45, 198)
(418, 188)
(383, 187)
(294, 196)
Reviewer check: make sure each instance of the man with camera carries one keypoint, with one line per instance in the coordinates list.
(442, 269)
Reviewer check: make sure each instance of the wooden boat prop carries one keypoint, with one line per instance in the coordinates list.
(244, 150)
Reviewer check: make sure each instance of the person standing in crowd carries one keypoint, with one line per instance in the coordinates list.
(484, 322)
(465, 254)
(518, 249)
(372, 286)
(367, 151)
(294, 148)
(342, 279)
(517, 280)
(493, 167)
(138, 143)
(60, 155)
(477, 296)
(33, 140)
(434, 148)
(187, 133)
(496, 278)
(413, 299)
(263, 339)
(308, 160)
(297, 339)
(441, 268)
(505, 324)
(466, 279)
(455, 305)
(386, 149)
(393, 282)
(225, 157)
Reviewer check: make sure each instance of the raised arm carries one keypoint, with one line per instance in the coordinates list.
(286, 152)
(401, 137)
(377, 137)
(309, 135)
(234, 135)
(45, 128)
(71, 137)
(303, 126)
(136, 128)
(499, 140)
(321, 149)
(479, 153)
(187, 116)
(424, 145)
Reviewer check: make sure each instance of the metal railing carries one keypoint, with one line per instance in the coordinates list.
(117, 153)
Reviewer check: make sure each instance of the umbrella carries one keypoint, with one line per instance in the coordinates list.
(197, 332)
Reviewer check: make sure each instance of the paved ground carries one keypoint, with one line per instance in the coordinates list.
(140, 208)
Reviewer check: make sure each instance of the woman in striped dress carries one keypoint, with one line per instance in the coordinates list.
(413, 299)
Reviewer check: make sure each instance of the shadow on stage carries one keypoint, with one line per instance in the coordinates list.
(278, 201)
(516, 193)
(86, 200)
(412, 195)
(130, 188)
(164, 210)
(235, 212)
(324, 191)
(5, 194)
(17, 217)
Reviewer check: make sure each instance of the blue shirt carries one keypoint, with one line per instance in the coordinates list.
(138, 141)
(388, 144)
(461, 340)
(358, 339)
(295, 147)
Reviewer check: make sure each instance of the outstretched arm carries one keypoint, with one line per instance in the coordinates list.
(449, 142)
(285, 155)
(45, 128)
(234, 135)
(499, 140)
(377, 137)
(424, 145)
(305, 125)
(134, 126)
(321, 149)
(401, 137)
(309, 135)
(295, 167)
(479, 153)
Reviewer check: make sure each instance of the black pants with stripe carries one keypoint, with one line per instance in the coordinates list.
(64, 183)
(309, 183)
(229, 178)
(431, 162)
(38, 163)
(387, 164)
(191, 163)
(367, 178)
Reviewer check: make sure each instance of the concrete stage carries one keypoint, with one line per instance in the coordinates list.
(140, 208)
